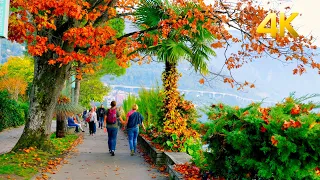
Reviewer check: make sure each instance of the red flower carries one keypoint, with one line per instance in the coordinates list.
(295, 110)
(263, 129)
(274, 141)
(318, 171)
(296, 124)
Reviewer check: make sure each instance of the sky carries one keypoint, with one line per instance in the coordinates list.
(272, 78)
(304, 24)
(307, 22)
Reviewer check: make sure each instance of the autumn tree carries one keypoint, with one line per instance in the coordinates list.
(15, 86)
(15, 75)
(92, 90)
(173, 46)
(107, 66)
(17, 66)
(58, 33)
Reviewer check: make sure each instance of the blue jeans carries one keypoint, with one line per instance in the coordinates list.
(132, 137)
(74, 125)
(94, 127)
(101, 122)
(112, 138)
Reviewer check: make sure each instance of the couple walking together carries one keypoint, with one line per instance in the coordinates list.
(112, 119)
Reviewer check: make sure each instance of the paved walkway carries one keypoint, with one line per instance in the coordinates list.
(9, 138)
(93, 161)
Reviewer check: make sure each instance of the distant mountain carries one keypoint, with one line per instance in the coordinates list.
(273, 79)
(8, 48)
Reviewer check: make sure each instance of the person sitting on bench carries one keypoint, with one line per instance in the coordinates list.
(71, 123)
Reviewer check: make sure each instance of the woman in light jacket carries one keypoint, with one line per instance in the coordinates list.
(93, 120)
(134, 120)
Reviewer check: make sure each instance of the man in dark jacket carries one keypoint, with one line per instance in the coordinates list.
(101, 112)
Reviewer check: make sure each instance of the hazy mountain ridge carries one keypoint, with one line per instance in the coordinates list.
(8, 48)
(273, 79)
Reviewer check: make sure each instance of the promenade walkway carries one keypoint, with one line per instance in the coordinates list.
(92, 160)
(8, 138)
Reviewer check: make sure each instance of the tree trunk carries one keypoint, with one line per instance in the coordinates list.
(61, 126)
(170, 79)
(47, 85)
(77, 91)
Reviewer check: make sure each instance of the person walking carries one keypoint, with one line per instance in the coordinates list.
(84, 117)
(101, 114)
(93, 119)
(95, 122)
(111, 122)
(134, 120)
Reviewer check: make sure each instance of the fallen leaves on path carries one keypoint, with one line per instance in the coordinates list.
(53, 163)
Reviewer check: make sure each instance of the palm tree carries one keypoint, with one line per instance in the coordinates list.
(63, 109)
(174, 46)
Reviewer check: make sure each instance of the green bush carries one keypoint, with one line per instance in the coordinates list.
(281, 142)
(11, 113)
(128, 102)
(150, 103)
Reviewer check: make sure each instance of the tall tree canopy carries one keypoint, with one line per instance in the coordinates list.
(59, 32)
(16, 74)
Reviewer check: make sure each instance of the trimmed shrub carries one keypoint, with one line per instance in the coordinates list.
(11, 113)
(281, 142)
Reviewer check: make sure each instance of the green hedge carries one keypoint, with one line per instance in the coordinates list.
(12, 113)
(281, 142)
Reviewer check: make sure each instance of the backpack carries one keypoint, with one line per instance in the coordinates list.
(112, 116)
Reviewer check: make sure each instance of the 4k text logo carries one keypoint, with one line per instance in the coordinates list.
(284, 23)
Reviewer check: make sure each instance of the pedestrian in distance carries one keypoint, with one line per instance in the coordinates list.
(112, 125)
(101, 112)
(84, 117)
(72, 123)
(92, 117)
(95, 122)
(134, 120)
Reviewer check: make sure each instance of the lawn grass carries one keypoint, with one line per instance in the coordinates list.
(28, 162)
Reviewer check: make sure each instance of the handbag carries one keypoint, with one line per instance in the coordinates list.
(88, 118)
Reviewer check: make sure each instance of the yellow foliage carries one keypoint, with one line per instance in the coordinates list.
(16, 66)
(15, 86)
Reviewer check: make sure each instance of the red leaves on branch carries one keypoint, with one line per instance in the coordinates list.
(39, 19)
(317, 171)
(274, 141)
(201, 81)
(295, 110)
(291, 123)
(263, 129)
(39, 48)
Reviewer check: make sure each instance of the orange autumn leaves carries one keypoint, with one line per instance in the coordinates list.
(63, 28)
(14, 85)
(47, 25)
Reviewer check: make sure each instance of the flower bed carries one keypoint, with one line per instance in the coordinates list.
(164, 159)
(279, 142)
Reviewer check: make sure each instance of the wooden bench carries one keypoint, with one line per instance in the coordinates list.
(70, 129)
